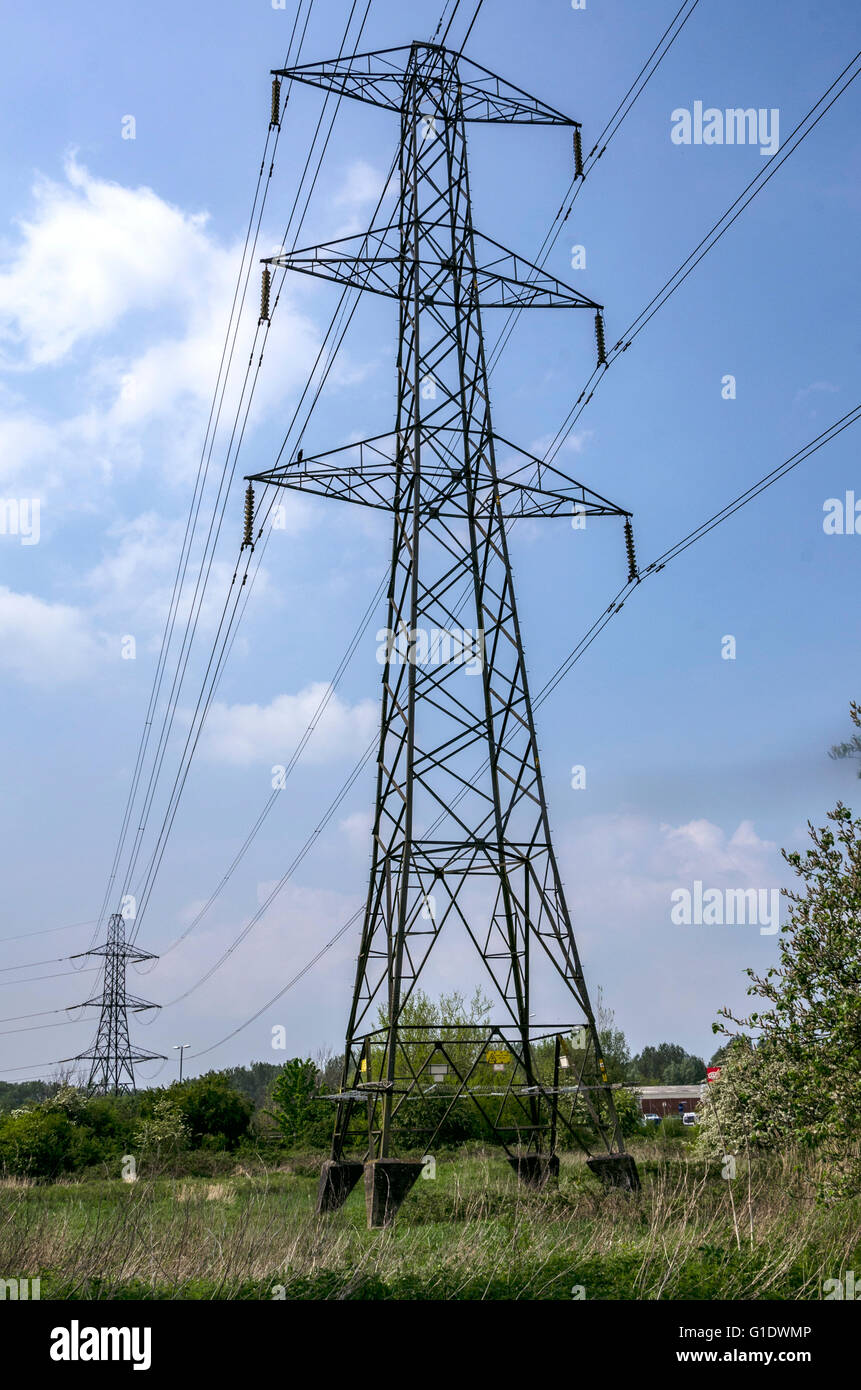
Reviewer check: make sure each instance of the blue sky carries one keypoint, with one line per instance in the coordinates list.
(117, 263)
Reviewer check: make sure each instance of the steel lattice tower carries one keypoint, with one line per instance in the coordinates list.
(461, 830)
(112, 1056)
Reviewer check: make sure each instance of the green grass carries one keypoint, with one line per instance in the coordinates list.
(471, 1233)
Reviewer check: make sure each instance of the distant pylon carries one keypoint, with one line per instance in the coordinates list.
(112, 1058)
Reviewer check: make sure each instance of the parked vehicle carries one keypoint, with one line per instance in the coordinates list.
(690, 1118)
(650, 1119)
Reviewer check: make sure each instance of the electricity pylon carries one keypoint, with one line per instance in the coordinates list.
(112, 1058)
(456, 838)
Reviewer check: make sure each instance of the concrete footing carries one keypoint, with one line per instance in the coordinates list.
(615, 1170)
(337, 1181)
(536, 1170)
(387, 1182)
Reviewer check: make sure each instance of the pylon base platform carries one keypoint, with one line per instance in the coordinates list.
(615, 1170)
(387, 1182)
(536, 1170)
(337, 1181)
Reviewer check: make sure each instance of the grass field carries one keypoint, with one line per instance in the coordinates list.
(470, 1233)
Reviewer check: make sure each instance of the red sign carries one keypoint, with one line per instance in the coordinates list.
(712, 1073)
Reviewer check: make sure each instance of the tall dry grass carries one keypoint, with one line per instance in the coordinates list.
(475, 1233)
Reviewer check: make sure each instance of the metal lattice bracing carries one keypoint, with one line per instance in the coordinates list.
(112, 1058)
(461, 832)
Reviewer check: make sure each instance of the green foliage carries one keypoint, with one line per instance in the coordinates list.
(805, 1071)
(36, 1144)
(668, 1064)
(68, 1101)
(671, 1127)
(442, 1018)
(425, 1022)
(293, 1099)
(851, 748)
(216, 1115)
(749, 1107)
(627, 1107)
(166, 1130)
(254, 1081)
(16, 1094)
(614, 1044)
(67, 1131)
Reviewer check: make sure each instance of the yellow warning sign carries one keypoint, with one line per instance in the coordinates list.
(499, 1057)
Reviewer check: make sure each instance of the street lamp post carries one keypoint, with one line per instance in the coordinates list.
(180, 1048)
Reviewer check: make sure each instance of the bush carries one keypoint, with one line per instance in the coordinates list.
(627, 1106)
(671, 1127)
(293, 1099)
(36, 1144)
(166, 1131)
(213, 1111)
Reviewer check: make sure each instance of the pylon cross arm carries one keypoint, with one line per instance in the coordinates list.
(367, 473)
(373, 261)
(378, 79)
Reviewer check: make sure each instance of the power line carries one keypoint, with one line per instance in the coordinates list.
(297, 752)
(37, 1066)
(39, 1027)
(200, 715)
(471, 25)
(452, 18)
(197, 496)
(47, 931)
(204, 699)
(295, 980)
(59, 975)
(624, 107)
(31, 964)
(712, 237)
(610, 130)
(615, 607)
(312, 724)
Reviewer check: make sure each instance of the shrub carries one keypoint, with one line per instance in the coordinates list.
(36, 1144)
(212, 1109)
(166, 1131)
(293, 1099)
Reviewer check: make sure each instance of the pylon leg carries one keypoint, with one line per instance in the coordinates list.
(615, 1170)
(536, 1170)
(387, 1182)
(337, 1181)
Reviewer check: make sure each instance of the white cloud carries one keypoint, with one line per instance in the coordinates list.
(357, 197)
(243, 734)
(357, 829)
(44, 643)
(90, 252)
(663, 979)
(627, 865)
(299, 921)
(574, 444)
(702, 850)
(133, 584)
